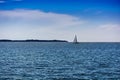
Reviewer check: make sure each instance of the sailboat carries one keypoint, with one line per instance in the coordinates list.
(75, 40)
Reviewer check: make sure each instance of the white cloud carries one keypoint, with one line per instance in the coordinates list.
(2, 1)
(110, 27)
(30, 23)
(43, 18)
(36, 24)
(102, 33)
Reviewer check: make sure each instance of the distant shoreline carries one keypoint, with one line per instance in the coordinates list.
(35, 40)
(32, 40)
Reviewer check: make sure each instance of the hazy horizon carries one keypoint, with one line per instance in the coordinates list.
(90, 20)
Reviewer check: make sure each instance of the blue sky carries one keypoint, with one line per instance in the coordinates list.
(90, 20)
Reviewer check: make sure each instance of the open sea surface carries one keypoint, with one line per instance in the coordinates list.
(59, 61)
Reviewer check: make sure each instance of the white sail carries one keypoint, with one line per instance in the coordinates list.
(75, 39)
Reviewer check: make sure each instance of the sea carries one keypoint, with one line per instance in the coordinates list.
(59, 61)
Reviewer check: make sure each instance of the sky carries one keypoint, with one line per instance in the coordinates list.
(90, 20)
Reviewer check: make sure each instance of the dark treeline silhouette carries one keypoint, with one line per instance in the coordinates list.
(32, 40)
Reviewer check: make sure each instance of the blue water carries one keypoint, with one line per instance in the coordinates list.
(59, 61)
